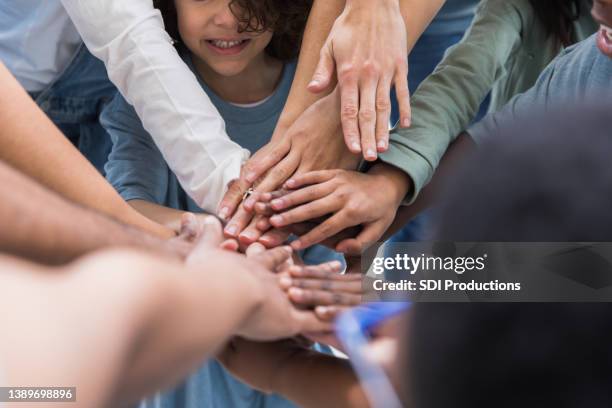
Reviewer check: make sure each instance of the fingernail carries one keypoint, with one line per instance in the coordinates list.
(296, 245)
(336, 264)
(276, 219)
(251, 177)
(371, 154)
(288, 249)
(231, 230)
(314, 82)
(224, 213)
(290, 183)
(382, 144)
(406, 123)
(356, 147)
(277, 204)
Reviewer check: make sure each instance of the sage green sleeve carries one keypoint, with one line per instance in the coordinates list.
(448, 100)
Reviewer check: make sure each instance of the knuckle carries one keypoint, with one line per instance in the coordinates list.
(346, 72)
(280, 172)
(383, 104)
(353, 209)
(402, 64)
(370, 68)
(349, 110)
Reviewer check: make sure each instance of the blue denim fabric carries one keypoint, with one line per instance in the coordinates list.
(74, 102)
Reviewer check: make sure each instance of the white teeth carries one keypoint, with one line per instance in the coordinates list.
(226, 44)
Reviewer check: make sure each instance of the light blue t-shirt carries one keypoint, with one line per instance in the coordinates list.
(454, 18)
(581, 73)
(137, 170)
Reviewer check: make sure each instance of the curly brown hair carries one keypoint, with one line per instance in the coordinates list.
(286, 18)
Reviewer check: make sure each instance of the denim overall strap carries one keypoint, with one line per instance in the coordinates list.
(74, 102)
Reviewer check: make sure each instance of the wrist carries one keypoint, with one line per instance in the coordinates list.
(252, 292)
(399, 183)
(371, 4)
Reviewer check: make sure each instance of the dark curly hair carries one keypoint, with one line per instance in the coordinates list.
(558, 17)
(286, 18)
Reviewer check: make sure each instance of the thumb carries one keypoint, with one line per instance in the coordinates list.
(325, 70)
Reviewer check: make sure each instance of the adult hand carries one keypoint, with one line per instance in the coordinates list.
(277, 317)
(274, 317)
(367, 46)
(313, 142)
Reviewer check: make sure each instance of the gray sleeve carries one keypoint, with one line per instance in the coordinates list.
(135, 167)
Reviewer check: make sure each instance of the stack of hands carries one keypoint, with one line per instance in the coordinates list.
(294, 299)
(305, 181)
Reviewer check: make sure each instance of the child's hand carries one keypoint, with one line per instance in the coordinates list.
(370, 200)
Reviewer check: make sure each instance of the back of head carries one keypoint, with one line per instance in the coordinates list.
(546, 179)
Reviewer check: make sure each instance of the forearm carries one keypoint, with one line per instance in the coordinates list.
(448, 100)
(141, 61)
(455, 154)
(195, 312)
(312, 379)
(169, 217)
(38, 224)
(33, 145)
(321, 19)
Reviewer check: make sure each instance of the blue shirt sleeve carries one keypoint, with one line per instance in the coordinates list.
(519, 106)
(135, 167)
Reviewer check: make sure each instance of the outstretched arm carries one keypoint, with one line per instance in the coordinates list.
(303, 140)
(130, 38)
(40, 225)
(30, 143)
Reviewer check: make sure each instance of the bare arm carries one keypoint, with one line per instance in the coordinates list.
(305, 377)
(40, 225)
(33, 145)
(93, 315)
(169, 217)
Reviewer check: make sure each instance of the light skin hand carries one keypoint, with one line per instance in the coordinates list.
(370, 200)
(368, 49)
(313, 142)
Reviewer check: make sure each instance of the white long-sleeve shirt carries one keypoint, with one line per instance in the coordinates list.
(129, 36)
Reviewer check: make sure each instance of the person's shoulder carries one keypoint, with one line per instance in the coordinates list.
(583, 57)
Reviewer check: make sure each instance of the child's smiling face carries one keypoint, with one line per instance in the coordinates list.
(210, 30)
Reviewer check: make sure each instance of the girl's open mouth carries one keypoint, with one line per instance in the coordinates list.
(227, 47)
